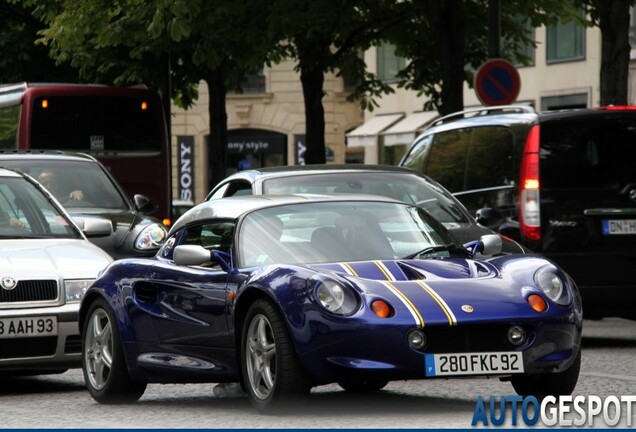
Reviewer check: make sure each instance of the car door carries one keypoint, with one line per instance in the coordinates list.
(190, 303)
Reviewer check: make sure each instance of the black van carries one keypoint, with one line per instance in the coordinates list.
(565, 182)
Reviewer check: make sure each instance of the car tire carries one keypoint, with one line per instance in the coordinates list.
(105, 371)
(272, 375)
(542, 385)
(363, 385)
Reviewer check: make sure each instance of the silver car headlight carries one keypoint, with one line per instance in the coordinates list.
(151, 237)
(75, 289)
(552, 285)
(337, 298)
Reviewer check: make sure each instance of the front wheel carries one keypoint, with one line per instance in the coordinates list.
(540, 386)
(103, 362)
(272, 375)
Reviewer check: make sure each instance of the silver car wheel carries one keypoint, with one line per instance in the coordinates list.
(98, 345)
(261, 357)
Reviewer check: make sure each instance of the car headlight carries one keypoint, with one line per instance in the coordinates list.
(336, 298)
(552, 285)
(75, 289)
(151, 237)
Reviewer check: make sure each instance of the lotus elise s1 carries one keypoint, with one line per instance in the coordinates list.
(283, 293)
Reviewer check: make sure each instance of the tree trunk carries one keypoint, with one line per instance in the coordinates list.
(312, 79)
(614, 25)
(447, 22)
(218, 128)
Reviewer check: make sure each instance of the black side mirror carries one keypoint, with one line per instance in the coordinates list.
(144, 204)
(489, 217)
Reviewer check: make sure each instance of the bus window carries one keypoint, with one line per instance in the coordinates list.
(124, 128)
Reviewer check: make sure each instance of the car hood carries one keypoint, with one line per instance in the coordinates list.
(446, 292)
(59, 258)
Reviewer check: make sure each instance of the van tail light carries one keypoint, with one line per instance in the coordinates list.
(529, 198)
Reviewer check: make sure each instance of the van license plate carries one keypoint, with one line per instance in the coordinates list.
(490, 363)
(28, 327)
(619, 226)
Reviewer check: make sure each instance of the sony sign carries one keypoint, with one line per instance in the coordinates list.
(186, 167)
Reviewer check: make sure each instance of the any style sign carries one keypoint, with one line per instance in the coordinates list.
(497, 82)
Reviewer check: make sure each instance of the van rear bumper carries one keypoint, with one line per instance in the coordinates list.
(608, 301)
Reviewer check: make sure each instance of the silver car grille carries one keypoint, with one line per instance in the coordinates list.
(30, 291)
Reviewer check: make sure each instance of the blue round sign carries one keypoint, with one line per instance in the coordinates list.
(497, 82)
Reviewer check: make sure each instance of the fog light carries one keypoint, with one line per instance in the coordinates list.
(417, 339)
(516, 335)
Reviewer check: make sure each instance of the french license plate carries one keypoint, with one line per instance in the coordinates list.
(28, 327)
(619, 226)
(489, 363)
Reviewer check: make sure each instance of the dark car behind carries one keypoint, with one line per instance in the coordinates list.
(564, 179)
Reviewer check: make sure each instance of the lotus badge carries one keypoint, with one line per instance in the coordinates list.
(467, 308)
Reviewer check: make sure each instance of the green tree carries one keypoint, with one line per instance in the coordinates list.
(445, 47)
(329, 36)
(169, 44)
(612, 17)
(22, 59)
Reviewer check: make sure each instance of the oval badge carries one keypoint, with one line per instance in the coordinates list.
(8, 283)
(467, 308)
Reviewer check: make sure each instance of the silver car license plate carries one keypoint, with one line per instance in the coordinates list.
(28, 327)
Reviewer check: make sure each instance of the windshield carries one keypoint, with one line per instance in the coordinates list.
(340, 231)
(25, 212)
(407, 187)
(77, 185)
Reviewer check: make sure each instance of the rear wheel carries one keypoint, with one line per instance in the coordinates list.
(542, 385)
(363, 386)
(272, 375)
(103, 362)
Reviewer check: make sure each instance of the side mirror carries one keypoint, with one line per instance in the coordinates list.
(144, 204)
(489, 244)
(189, 255)
(489, 217)
(94, 227)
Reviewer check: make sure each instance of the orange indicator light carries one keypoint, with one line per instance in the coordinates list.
(144, 106)
(381, 309)
(45, 103)
(537, 303)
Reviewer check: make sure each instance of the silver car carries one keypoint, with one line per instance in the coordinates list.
(46, 265)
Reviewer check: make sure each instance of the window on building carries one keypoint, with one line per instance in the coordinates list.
(388, 63)
(632, 31)
(565, 42)
(521, 56)
(254, 82)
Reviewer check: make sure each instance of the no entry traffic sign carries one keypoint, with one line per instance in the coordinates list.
(497, 82)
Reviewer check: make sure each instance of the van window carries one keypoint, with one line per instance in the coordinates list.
(417, 156)
(590, 153)
(447, 158)
(490, 159)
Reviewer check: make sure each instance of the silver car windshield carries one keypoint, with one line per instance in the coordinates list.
(339, 231)
(26, 212)
(406, 187)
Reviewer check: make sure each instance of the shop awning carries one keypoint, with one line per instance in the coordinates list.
(366, 135)
(405, 131)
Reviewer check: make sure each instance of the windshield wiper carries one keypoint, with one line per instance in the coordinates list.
(450, 247)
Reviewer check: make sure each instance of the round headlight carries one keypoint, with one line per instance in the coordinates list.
(335, 298)
(151, 237)
(551, 284)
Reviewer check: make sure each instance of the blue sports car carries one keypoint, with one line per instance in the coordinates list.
(282, 293)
